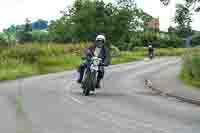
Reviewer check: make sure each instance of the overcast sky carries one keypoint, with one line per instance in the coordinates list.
(15, 11)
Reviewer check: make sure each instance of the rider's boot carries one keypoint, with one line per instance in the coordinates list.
(80, 77)
(98, 84)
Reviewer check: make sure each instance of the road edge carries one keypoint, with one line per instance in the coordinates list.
(150, 85)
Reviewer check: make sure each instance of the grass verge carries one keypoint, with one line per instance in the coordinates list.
(55, 64)
(190, 72)
(126, 57)
(184, 76)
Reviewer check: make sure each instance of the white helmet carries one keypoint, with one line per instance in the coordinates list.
(101, 38)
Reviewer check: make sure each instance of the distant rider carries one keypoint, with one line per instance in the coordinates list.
(150, 51)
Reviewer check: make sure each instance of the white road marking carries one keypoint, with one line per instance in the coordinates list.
(75, 99)
(67, 89)
(107, 116)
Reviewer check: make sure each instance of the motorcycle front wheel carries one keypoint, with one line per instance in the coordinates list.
(88, 83)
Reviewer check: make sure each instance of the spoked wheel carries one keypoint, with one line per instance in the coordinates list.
(86, 92)
(86, 83)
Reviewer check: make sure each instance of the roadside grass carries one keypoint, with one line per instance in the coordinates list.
(46, 65)
(190, 72)
(57, 64)
(35, 59)
(161, 52)
(184, 76)
(19, 71)
(126, 57)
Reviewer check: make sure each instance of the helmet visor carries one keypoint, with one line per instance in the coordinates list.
(99, 43)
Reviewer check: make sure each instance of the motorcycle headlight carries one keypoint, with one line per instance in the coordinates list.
(96, 62)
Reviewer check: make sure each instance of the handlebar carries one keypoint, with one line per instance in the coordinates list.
(88, 58)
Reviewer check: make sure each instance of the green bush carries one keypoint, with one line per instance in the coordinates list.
(135, 42)
(195, 67)
(24, 37)
(13, 69)
(29, 55)
(196, 40)
(3, 40)
(161, 40)
(172, 41)
(169, 51)
(40, 36)
(57, 63)
(7, 39)
(114, 51)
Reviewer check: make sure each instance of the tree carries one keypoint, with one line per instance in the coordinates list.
(185, 10)
(128, 4)
(87, 18)
(61, 30)
(24, 32)
(9, 40)
(28, 25)
(146, 18)
(165, 2)
(12, 29)
(171, 30)
(194, 4)
(183, 19)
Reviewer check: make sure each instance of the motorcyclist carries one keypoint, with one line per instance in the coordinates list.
(98, 49)
(150, 50)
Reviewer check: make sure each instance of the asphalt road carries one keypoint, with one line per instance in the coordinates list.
(54, 104)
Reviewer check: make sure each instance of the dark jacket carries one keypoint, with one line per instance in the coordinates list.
(151, 50)
(104, 54)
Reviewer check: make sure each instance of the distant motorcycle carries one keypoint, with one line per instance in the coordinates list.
(90, 75)
(151, 56)
(151, 52)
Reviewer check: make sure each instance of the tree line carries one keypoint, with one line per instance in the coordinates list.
(123, 23)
